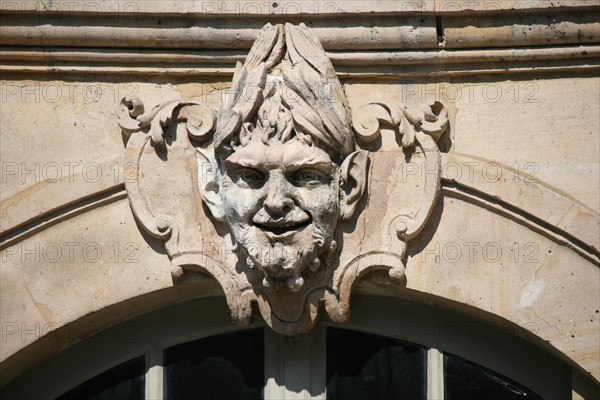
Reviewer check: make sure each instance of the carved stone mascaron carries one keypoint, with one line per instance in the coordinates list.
(272, 195)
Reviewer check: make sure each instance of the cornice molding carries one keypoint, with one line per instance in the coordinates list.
(389, 64)
(321, 8)
(463, 37)
(366, 32)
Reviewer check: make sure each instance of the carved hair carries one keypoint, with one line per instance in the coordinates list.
(286, 88)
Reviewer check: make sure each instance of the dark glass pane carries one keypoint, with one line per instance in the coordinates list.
(464, 380)
(228, 366)
(123, 382)
(364, 366)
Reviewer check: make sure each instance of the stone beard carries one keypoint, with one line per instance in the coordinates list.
(281, 196)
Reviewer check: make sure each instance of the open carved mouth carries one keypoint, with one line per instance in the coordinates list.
(283, 227)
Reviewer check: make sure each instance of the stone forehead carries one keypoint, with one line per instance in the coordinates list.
(275, 153)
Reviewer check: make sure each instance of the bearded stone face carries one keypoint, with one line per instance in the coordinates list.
(282, 186)
(281, 200)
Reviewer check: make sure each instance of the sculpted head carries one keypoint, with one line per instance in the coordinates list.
(287, 172)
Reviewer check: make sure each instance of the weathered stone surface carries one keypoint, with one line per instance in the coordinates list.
(75, 268)
(282, 172)
(513, 233)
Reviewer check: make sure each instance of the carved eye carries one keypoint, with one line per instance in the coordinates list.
(249, 178)
(307, 177)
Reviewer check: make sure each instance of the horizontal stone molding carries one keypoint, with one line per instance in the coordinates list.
(311, 7)
(435, 39)
(200, 33)
(367, 33)
(404, 39)
(391, 64)
(166, 58)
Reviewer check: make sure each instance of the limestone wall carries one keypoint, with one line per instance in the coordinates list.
(513, 239)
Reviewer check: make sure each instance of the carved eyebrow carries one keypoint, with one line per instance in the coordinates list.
(244, 162)
(296, 165)
(309, 163)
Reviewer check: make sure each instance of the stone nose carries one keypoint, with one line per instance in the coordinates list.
(278, 201)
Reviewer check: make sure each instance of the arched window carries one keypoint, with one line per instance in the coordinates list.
(392, 348)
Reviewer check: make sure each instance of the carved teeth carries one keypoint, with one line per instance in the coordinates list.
(268, 282)
(332, 247)
(295, 282)
(315, 265)
(177, 272)
(284, 223)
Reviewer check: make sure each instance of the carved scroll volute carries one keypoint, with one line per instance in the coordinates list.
(406, 170)
(160, 166)
(419, 132)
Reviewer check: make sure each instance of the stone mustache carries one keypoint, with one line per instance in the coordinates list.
(279, 170)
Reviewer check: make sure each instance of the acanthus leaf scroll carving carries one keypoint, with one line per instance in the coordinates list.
(280, 195)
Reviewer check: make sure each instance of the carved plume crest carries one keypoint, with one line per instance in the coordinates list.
(308, 87)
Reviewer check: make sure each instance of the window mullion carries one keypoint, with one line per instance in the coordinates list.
(295, 366)
(435, 375)
(154, 373)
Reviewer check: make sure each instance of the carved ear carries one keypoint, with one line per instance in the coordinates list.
(354, 181)
(208, 183)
